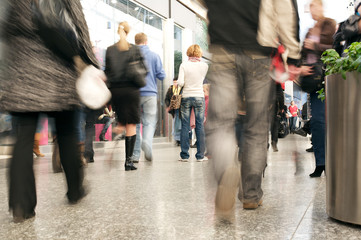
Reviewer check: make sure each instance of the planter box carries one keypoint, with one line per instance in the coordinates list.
(343, 147)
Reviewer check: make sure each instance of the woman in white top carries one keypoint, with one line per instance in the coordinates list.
(191, 76)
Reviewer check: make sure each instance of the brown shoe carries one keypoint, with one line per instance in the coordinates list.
(251, 206)
(36, 149)
(227, 189)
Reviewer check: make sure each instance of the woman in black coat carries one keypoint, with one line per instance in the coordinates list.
(36, 79)
(125, 91)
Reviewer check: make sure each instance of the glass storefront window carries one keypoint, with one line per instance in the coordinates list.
(137, 12)
(177, 49)
(103, 18)
(201, 36)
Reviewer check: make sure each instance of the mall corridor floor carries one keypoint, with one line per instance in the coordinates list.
(168, 199)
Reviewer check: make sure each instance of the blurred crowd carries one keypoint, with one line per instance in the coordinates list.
(225, 110)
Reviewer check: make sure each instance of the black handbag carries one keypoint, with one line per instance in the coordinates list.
(136, 70)
(55, 27)
(314, 82)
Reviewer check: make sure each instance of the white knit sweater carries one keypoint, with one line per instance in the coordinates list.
(191, 77)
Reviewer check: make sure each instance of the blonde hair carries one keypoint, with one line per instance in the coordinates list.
(125, 26)
(123, 45)
(194, 51)
(140, 38)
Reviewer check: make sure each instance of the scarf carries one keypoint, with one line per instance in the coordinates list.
(194, 59)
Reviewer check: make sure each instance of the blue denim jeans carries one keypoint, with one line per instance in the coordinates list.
(233, 74)
(318, 128)
(186, 107)
(177, 126)
(293, 121)
(148, 106)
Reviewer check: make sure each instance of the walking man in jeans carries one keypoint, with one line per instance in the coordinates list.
(243, 35)
(148, 99)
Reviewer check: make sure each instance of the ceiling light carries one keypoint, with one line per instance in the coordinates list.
(151, 17)
(136, 8)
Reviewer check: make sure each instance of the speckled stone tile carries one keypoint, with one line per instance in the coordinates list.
(168, 199)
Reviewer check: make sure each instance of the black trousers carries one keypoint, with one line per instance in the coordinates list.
(275, 125)
(22, 192)
(90, 119)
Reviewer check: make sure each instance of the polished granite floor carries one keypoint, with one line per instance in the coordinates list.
(168, 199)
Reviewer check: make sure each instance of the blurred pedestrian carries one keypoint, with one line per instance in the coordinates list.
(243, 34)
(293, 118)
(191, 76)
(39, 128)
(106, 118)
(177, 125)
(39, 79)
(318, 39)
(348, 31)
(125, 91)
(148, 99)
(276, 115)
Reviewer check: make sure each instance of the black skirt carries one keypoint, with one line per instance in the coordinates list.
(126, 104)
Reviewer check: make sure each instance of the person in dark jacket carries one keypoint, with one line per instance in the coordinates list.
(348, 31)
(243, 34)
(177, 126)
(125, 91)
(36, 79)
(318, 39)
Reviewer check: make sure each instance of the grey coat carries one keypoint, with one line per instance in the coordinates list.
(33, 78)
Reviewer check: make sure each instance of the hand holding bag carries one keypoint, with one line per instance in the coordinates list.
(175, 101)
(314, 82)
(91, 88)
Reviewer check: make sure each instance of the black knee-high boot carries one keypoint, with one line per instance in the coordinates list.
(129, 147)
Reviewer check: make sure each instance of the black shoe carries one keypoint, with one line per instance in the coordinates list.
(89, 160)
(19, 215)
(177, 143)
(318, 171)
(274, 147)
(129, 166)
(301, 132)
(75, 199)
(309, 149)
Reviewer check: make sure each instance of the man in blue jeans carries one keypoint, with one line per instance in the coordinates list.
(243, 34)
(148, 99)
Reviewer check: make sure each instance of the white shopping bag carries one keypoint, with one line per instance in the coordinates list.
(92, 90)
